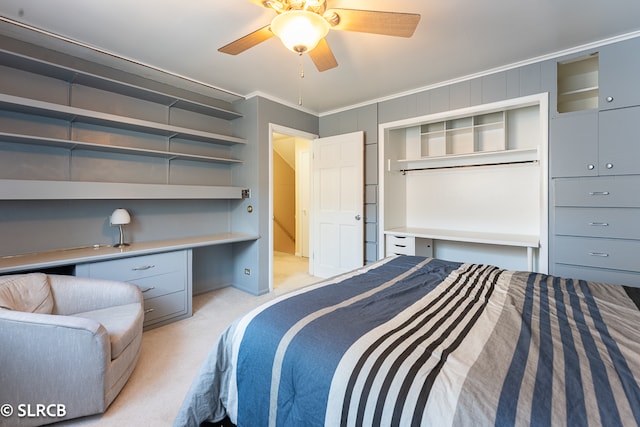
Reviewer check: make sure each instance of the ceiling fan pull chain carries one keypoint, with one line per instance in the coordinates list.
(301, 77)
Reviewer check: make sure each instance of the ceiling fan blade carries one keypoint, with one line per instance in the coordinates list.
(248, 41)
(322, 56)
(376, 22)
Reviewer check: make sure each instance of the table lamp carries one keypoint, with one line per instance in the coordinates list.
(120, 217)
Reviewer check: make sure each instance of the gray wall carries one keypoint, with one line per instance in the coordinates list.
(259, 113)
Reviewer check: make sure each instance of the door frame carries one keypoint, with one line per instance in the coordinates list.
(275, 128)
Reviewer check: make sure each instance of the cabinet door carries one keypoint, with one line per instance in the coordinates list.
(618, 75)
(619, 142)
(573, 146)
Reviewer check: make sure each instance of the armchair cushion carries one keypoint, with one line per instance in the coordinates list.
(29, 293)
(117, 321)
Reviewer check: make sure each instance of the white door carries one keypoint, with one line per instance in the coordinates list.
(337, 219)
(303, 192)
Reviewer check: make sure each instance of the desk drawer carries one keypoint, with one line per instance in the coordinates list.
(138, 267)
(603, 191)
(156, 309)
(162, 284)
(603, 253)
(618, 223)
(400, 245)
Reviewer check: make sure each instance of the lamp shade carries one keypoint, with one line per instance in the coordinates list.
(300, 30)
(120, 216)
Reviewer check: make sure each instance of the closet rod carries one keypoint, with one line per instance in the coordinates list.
(404, 171)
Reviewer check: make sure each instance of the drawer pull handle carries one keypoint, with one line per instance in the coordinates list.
(598, 193)
(599, 224)
(149, 310)
(148, 289)
(401, 246)
(143, 267)
(600, 254)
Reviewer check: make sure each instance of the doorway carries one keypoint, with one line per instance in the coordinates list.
(290, 187)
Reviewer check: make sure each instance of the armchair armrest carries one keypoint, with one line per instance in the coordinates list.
(78, 354)
(73, 294)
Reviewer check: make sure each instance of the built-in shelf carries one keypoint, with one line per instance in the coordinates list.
(578, 84)
(74, 114)
(72, 144)
(73, 75)
(15, 189)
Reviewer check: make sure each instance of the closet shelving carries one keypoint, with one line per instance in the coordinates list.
(463, 141)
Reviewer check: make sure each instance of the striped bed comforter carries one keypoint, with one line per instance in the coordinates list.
(413, 341)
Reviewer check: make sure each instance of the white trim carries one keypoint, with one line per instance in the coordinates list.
(275, 128)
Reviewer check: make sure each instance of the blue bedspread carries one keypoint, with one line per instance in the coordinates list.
(416, 341)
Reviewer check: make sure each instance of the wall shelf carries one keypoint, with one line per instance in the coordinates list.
(73, 75)
(72, 114)
(72, 144)
(15, 189)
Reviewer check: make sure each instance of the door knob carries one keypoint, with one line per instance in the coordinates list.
(358, 217)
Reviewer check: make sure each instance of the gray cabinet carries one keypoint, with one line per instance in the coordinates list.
(618, 75)
(573, 144)
(164, 279)
(594, 150)
(592, 143)
(619, 141)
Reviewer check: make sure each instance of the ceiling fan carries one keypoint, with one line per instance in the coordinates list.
(303, 24)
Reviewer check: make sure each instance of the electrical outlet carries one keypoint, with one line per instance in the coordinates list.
(247, 271)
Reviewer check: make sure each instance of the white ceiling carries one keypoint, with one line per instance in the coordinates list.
(454, 39)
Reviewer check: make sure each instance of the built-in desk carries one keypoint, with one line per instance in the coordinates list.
(71, 256)
(530, 242)
(162, 269)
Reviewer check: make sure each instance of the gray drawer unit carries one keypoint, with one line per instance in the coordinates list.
(598, 222)
(603, 191)
(164, 279)
(614, 254)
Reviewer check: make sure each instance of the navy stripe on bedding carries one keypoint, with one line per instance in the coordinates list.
(574, 403)
(265, 332)
(575, 309)
(629, 385)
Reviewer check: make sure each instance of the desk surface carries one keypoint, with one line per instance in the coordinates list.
(56, 258)
(503, 239)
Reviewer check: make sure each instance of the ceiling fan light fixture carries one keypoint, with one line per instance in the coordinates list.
(300, 30)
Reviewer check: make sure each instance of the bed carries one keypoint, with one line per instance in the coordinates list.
(412, 341)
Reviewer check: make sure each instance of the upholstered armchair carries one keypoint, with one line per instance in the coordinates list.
(67, 341)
